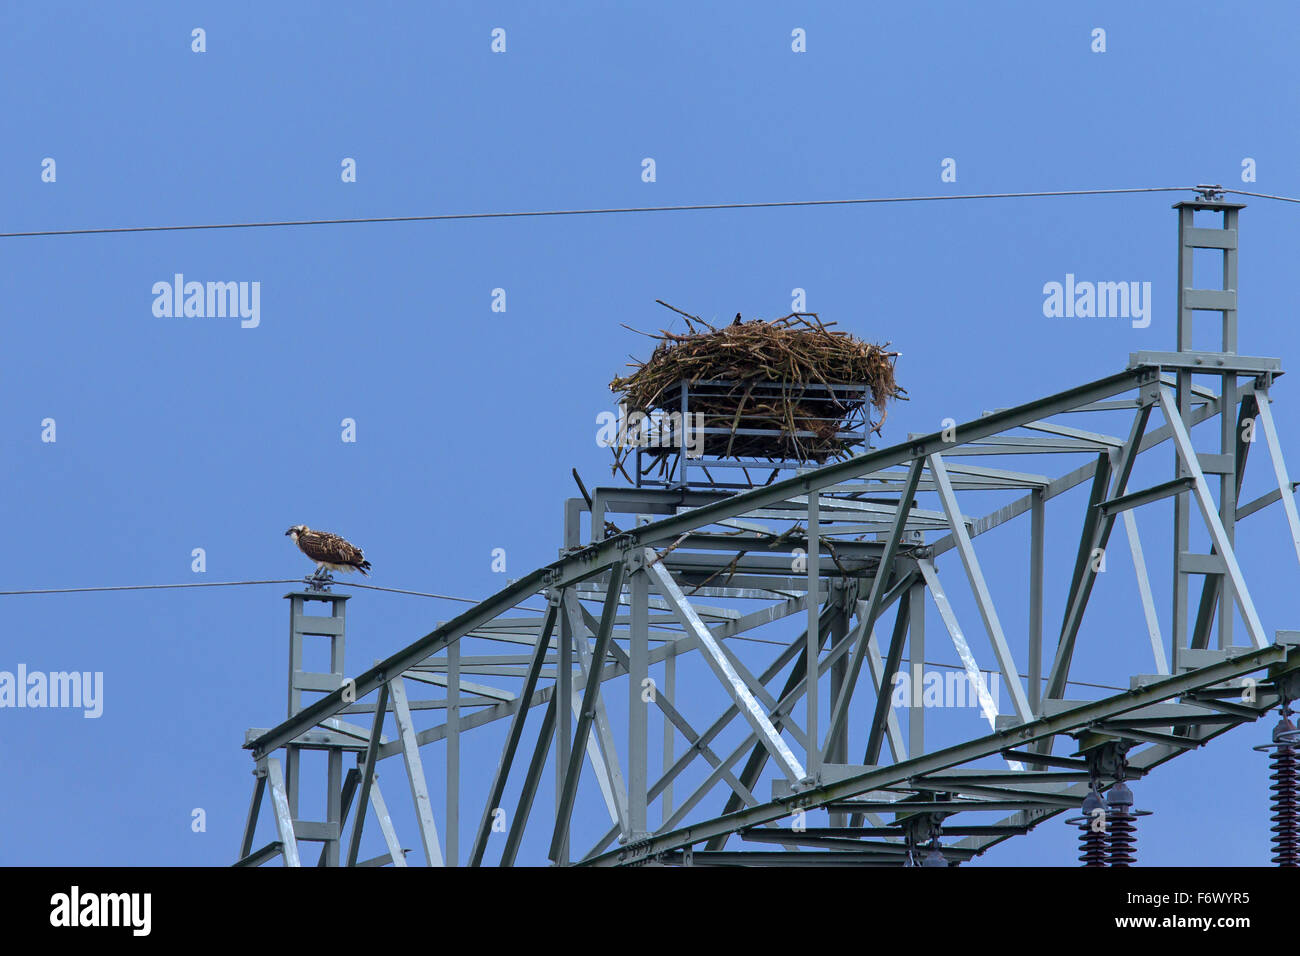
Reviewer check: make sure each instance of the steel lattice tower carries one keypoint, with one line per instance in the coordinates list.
(852, 553)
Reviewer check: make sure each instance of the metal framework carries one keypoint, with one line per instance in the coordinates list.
(670, 597)
(845, 409)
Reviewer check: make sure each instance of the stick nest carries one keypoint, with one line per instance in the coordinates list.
(777, 373)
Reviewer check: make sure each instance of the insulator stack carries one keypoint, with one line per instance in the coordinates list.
(1286, 788)
(1122, 831)
(1092, 831)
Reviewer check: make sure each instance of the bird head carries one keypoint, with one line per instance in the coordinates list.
(296, 530)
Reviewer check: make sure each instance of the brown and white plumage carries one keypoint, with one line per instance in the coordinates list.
(329, 551)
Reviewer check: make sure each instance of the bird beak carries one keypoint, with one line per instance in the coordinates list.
(289, 532)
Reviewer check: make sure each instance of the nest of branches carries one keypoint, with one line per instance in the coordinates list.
(789, 388)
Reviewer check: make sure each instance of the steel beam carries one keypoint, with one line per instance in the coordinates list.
(973, 672)
(415, 773)
(531, 780)
(1285, 488)
(564, 804)
(283, 818)
(732, 681)
(1096, 535)
(1211, 515)
(368, 775)
(516, 730)
(983, 599)
(385, 821)
(878, 584)
(876, 779)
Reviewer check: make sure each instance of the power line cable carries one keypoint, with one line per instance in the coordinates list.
(233, 584)
(151, 587)
(519, 214)
(376, 587)
(1242, 192)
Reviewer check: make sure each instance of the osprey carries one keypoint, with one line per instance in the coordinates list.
(329, 551)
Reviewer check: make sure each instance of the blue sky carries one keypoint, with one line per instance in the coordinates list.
(181, 433)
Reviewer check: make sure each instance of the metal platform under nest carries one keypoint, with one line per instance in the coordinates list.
(728, 435)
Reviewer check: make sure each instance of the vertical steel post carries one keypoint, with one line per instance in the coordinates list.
(915, 599)
(453, 754)
(1190, 301)
(303, 625)
(1036, 516)
(670, 688)
(813, 646)
(638, 715)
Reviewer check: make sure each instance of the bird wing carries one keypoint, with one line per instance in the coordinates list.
(323, 546)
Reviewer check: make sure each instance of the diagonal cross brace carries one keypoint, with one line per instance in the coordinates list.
(283, 818)
(415, 772)
(992, 624)
(512, 736)
(1096, 534)
(564, 808)
(1210, 513)
(884, 717)
(1279, 469)
(749, 707)
(872, 609)
(368, 774)
(600, 743)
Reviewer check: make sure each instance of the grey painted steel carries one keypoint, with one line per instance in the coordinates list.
(670, 688)
(737, 548)
(512, 739)
(385, 821)
(415, 773)
(531, 780)
(453, 755)
(984, 600)
(1211, 515)
(884, 717)
(735, 686)
(959, 643)
(1134, 499)
(917, 767)
(368, 775)
(283, 818)
(599, 742)
(350, 782)
(916, 661)
(254, 808)
(759, 754)
(1095, 537)
(1144, 591)
(564, 809)
(270, 851)
(813, 644)
(638, 723)
(841, 704)
(594, 559)
(1037, 543)
(1286, 490)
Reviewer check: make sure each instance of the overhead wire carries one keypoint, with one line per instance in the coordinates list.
(600, 211)
(233, 584)
(443, 217)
